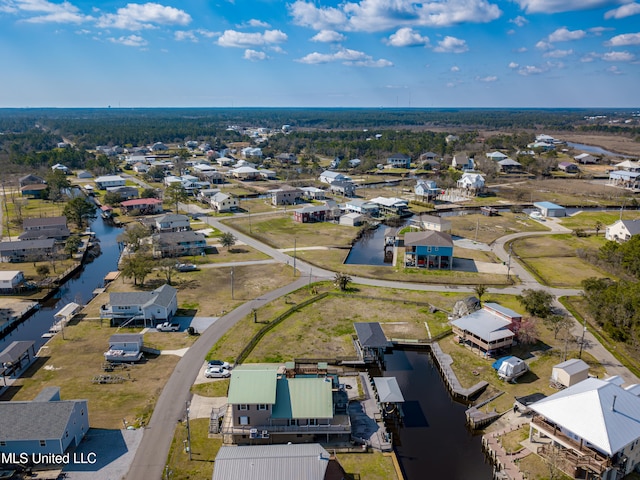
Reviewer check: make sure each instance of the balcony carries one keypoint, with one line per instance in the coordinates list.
(339, 425)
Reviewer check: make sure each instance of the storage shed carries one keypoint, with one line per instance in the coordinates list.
(549, 209)
(570, 372)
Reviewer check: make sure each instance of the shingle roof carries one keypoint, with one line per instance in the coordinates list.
(35, 420)
(428, 238)
(44, 222)
(388, 389)
(371, 335)
(633, 226)
(160, 296)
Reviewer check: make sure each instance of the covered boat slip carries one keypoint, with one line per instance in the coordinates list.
(15, 357)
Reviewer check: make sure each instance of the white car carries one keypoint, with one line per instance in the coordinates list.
(217, 372)
(168, 327)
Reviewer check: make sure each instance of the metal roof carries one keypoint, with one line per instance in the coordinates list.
(598, 411)
(485, 324)
(573, 366)
(388, 390)
(36, 420)
(253, 384)
(14, 351)
(547, 205)
(303, 397)
(507, 312)
(271, 462)
(68, 309)
(370, 335)
(126, 338)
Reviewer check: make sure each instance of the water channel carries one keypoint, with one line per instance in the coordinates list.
(594, 149)
(434, 441)
(79, 289)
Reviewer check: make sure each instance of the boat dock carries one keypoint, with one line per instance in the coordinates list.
(444, 361)
(367, 422)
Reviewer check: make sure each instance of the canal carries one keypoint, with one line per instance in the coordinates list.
(434, 441)
(79, 289)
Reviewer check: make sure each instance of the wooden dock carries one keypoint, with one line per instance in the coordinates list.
(444, 361)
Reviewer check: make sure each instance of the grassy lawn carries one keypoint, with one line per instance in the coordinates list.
(537, 469)
(31, 208)
(588, 220)
(367, 466)
(487, 229)
(218, 388)
(554, 260)
(511, 441)
(237, 253)
(203, 451)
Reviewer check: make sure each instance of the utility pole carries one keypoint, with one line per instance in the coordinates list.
(186, 404)
(6, 210)
(509, 262)
(232, 283)
(294, 256)
(584, 330)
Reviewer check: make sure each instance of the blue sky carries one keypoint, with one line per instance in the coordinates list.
(367, 53)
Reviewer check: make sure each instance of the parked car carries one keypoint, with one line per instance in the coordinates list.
(219, 364)
(168, 327)
(216, 372)
(186, 267)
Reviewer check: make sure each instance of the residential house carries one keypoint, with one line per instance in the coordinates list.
(245, 173)
(54, 227)
(285, 158)
(346, 188)
(125, 193)
(589, 430)
(434, 223)
(147, 308)
(267, 174)
(451, 138)
(318, 213)
(159, 147)
(399, 160)
(83, 174)
(27, 250)
(62, 168)
(363, 207)
(205, 194)
(225, 161)
(333, 209)
(35, 190)
(141, 167)
(124, 347)
(428, 249)
(10, 280)
(426, 189)
(508, 165)
(497, 156)
(31, 180)
(392, 206)
(271, 404)
(313, 193)
(354, 162)
(628, 165)
(141, 206)
(212, 176)
(252, 152)
(462, 162)
(285, 195)
(203, 167)
(109, 181)
(428, 157)
(489, 330)
(221, 202)
(624, 179)
(177, 244)
(585, 158)
(622, 230)
(281, 462)
(329, 177)
(172, 222)
(472, 182)
(44, 425)
(568, 167)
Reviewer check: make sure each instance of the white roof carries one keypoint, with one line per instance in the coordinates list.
(388, 390)
(68, 309)
(110, 178)
(598, 411)
(6, 275)
(575, 365)
(389, 202)
(245, 170)
(485, 324)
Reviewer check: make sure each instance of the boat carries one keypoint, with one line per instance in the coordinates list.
(537, 215)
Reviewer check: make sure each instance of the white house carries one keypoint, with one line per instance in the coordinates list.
(313, 193)
(329, 177)
(434, 223)
(594, 429)
(585, 158)
(426, 189)
(62, 168)
(148, 308)
(471, 181)
(399, 160)
(222, 202)
(172, 222)
(364, 207)
(245, 173)
(622, 230)
(124, 347)
(10, 279)
(109, 181)
(497, 156)
(252, 152)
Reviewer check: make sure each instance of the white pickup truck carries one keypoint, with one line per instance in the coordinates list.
(168, 327)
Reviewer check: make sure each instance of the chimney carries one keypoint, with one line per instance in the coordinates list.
(613, 405)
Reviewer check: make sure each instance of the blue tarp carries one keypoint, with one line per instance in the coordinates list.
(500, 361)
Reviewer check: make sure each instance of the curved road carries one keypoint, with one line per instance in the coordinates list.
(151, 455)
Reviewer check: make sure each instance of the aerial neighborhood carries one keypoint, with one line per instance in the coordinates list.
(288, 300)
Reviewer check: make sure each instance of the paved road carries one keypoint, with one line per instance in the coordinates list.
(149, 461)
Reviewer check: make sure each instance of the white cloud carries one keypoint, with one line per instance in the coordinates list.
(328, 36)
(519, 21)
(558, 53)
(451, 45)
(347, 57)
(623, 11)
(144, 16)
(407, 37)
(377, 15)
(193, 35)
(557, 6)
(488, 79)
(521, 50)
(614, 69)
(624, 39)
(618, 57)
(530, 70)
(564, 35)
(233, 38)
(130, 41)
(513, 65)
(254, 23)
(254, 55)
(455, 68)
(43, 11)
(542, 45)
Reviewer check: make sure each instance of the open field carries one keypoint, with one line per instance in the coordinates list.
(203, 451)
(588, 220)
(485, 229)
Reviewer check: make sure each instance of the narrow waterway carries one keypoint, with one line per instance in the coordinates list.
(594, 149)
(434, 441)
(79, 289)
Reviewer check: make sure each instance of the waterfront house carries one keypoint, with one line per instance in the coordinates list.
(433, 223)
(27, 250)
(109, 181)
(176, 244)
(568, 167)
(221, 202)
(317, 213)
(141, 206)
(31, 180)
(276, 462)
(622, 230)
(147, 308)
(352, 219)
(426, 189)
(585, 158)
(361, 206)
(285, 195)
(172, 222)
(624, 179)
(428, 249)
(125, 192)
(124, 347)
(346, 188)
(628, 165)
(399, 160)
(392, 206)
(489, 330)
(472, 182)
(44, 425)
(589, 430)
(313, 193)
(45, 227)
(10, 280)
(34, 190)
(271, 404)
(329, 177)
